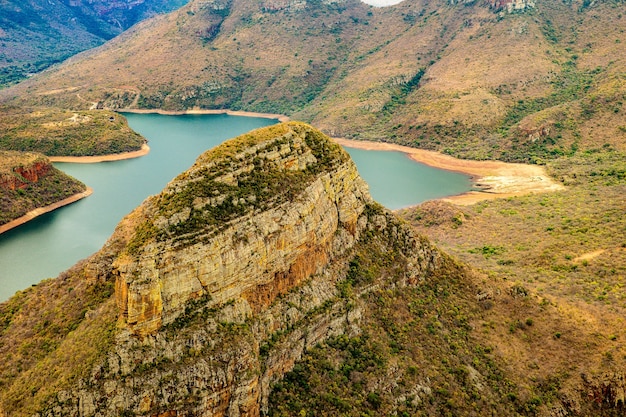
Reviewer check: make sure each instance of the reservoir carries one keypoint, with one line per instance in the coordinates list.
(51, 243)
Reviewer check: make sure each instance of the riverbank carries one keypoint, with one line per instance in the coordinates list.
(491, 179)
(279, 117)
(145, 149)
(43, 210)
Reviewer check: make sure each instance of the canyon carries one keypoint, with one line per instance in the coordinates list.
(264, 280)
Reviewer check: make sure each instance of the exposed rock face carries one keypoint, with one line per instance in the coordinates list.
(607, 391)
(499, 5)
(256, 256)
(22, 175)
(232, 272)
(291, 5)
(513, 5)
(276, 5)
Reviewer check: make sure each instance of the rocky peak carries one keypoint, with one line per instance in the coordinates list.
(509, 6)
(250, 220)
(291, 5)
(512, 5)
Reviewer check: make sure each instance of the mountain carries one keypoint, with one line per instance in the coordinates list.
(517, 81)
(264, 280)
(35, 34)
(224, 278)
(268, 257)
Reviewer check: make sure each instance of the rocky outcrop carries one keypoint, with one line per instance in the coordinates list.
(276, 5)
(509, 6)
(25, 173)
(606, 392)
(512, 5)
(30, 186)
(225, 279)
(290, 5)
(255, 256)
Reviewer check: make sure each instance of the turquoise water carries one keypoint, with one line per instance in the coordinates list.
(55, 241)
(397, 181)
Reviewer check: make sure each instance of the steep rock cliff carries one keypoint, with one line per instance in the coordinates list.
(251, 225)
(224, 279)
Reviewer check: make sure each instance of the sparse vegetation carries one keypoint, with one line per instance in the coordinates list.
(42, 334)
(33, 41)
(56, 132)
(537, 331)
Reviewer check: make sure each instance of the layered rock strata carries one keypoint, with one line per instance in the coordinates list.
(250, 227)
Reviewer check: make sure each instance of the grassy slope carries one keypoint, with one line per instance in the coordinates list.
(547, 317)
(43, 330)
(55, 132)
(526, 87)
(538, 331)
(566, 249)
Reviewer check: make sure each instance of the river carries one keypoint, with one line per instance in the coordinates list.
(51, 243)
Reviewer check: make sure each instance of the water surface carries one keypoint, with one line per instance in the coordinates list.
(396, 181)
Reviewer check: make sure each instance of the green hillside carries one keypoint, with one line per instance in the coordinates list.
(529, 317)
(28, 181)
(56, 132)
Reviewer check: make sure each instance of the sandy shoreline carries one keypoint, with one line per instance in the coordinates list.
(145, 149)
(43, 210)
(492, 179)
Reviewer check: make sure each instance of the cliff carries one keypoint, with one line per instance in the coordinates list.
(221, 283)
(28, 181)
(16, 174)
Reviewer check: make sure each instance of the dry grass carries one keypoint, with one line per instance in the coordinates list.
(523, 87)
(566, 250)
(43, 330)
(12, 159)
(50, 187)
